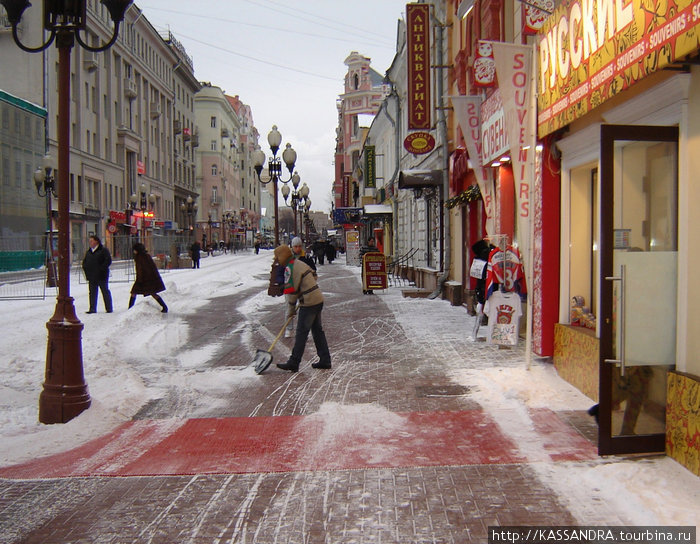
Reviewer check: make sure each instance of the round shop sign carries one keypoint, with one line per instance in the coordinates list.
(419, 142)
(112, 228)
(134, 230)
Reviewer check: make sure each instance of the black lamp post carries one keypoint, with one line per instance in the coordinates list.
(299, 198)
(274, 166)
(65, 394)
(45, 187)
(228, 219)
(189, 208)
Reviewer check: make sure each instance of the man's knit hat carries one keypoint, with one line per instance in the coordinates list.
(296, 242)
(283, 254)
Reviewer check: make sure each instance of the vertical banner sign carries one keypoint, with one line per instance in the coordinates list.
(418, 55)
(514, 70)
(468, 113)
(370, 172)
(345, 199)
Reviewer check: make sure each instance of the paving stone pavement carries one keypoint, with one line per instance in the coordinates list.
(390, 380)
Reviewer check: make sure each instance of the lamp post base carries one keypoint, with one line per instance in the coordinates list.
(65, 394)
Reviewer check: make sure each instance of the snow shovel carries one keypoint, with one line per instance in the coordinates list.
(263, 358)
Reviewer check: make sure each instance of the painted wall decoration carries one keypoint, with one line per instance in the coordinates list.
(683, 420)
(591, 50)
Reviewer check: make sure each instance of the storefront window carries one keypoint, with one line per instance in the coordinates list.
(583, 253)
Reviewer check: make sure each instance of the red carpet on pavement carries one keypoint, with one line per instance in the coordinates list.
(297, 443)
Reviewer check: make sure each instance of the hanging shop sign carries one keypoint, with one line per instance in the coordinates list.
(589, 51)
(418, 57)
(419, 143)
(494, 141)
(370, 171)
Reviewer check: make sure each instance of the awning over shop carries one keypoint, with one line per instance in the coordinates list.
(417, 179)
(377, 209)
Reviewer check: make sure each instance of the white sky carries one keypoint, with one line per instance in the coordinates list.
(131, 357)
(284, 59)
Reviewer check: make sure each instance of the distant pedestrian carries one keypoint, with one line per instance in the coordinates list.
(319, 248)
(257, 247)
(196, 252)
(300, 284)
(148, 281)
(96, 267)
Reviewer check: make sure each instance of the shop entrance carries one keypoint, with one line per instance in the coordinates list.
(638, 283)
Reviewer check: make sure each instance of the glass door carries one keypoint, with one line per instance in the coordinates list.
(638, 284)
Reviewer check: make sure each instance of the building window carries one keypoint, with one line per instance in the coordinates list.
(214, 170)
(213, 122)
(213, 145)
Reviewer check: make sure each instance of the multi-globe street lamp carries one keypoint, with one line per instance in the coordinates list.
(228, 219)
(45, 187)
(189, 208)
(141, 202)
(299, 196)
(65, 393)
(274, 166)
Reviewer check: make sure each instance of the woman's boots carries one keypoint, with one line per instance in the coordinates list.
(162, 304)
(157, 298)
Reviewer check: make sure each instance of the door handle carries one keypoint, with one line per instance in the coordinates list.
(621, 278)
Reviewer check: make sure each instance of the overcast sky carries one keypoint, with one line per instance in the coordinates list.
(284, 59)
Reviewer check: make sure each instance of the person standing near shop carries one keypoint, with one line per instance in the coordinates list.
(148, 281)
(300, 284)
(96, 267)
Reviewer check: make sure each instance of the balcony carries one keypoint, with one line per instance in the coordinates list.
(215, 200)
(130, 90)
(177, 126)
(155, 110)
(225, 133)
(195, 140)
(90, 61)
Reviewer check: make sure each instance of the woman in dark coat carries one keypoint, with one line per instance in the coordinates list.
(148, 281)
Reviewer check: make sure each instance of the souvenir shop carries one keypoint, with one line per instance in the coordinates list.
(626, 124)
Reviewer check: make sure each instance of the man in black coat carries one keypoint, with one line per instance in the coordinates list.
(96, 267)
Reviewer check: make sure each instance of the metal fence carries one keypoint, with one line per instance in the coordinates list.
(27, 273)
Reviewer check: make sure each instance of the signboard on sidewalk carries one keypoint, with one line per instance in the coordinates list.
(374, 271)
(352, 247)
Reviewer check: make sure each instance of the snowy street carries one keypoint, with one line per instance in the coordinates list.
(415, 435)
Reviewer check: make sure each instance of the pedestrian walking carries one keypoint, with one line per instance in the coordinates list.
(96, 267)
(148, 281)
(290, 310)
(300, 284)
(196, 252)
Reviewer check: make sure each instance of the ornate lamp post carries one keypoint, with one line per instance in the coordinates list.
(274, 166)
(189, 208)
(141, 202)
(65, 394)
(228, 219)
(45, 187)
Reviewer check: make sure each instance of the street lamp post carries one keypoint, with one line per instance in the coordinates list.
(65, 394)
(274, 166)
(189, 208)
(228, 218)
(45, 187)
